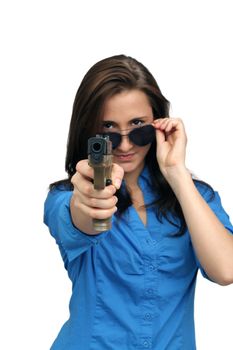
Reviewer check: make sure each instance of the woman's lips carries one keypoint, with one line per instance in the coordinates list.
(124, 157)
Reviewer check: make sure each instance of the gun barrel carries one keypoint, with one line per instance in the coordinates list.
(100, 159)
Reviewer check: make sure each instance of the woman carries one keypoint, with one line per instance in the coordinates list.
(133, 285)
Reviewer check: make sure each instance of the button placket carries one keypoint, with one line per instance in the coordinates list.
(148, 309)
(148, 305)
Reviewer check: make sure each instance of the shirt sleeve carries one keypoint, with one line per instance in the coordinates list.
(71, 241)
(214, 202)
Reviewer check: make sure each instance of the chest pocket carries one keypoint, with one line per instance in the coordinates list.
(120, 253)
(176, 256)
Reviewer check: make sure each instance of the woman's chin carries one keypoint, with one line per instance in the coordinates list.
(131, 167)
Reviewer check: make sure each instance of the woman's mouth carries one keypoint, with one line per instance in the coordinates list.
(124, 157)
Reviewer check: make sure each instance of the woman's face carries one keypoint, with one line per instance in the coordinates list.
(123, 112)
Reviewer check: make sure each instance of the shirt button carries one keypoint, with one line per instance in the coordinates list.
(148, 317)
(150, 291)
(146, 344)
(151, 267)
(150, 241)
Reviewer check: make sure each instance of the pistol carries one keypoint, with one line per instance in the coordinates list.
(100, 159)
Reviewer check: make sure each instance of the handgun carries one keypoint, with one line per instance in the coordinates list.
(100, 159)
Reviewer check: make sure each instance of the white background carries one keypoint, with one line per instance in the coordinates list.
(46, 48)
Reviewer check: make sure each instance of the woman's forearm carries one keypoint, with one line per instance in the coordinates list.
(212, 243)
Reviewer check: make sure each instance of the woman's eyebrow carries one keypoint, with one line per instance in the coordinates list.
(141, 118)
(108, 121)
(130, 120)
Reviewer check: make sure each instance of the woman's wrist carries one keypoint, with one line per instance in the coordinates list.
(178, 177)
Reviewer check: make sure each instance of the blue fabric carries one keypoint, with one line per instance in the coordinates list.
(133, 286)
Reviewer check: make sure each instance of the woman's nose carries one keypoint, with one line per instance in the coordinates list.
(125, 144)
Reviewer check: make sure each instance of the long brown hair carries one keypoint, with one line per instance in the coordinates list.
(105, 79)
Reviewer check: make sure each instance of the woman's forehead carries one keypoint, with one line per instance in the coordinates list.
(127, 105)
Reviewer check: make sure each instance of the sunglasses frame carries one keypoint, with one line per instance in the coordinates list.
(143, 135)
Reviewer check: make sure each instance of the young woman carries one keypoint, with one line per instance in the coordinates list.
(133, 285)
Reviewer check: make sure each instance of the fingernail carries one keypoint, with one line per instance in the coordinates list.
(117, 183)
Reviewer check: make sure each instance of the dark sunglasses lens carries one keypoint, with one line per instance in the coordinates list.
(115, 138)
(142, 136)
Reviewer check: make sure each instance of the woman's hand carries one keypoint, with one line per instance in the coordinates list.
(88, 203)
(171, 145)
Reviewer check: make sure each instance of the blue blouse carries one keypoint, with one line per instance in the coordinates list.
(134, 285)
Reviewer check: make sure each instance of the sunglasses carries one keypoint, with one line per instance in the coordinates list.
(141, 136)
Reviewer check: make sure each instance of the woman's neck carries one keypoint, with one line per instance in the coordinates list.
(131, 179)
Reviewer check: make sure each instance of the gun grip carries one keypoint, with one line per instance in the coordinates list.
(102, 224)
(99, 178)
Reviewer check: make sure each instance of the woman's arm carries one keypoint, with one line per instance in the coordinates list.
(212, 242)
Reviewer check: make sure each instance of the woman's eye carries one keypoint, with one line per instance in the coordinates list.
(107, 125)
(137, 122)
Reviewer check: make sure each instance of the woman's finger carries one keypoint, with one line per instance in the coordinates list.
(95, 213)
(86, 187)
(92, 202)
